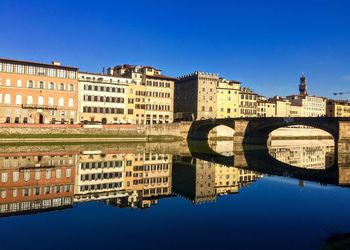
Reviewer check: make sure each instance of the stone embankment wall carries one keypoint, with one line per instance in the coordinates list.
(179, 129)
(171, 129)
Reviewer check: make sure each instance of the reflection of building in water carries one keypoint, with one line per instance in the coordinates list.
(194, 179)
(229, 179)
(125, 178)
(306, 156)
(36, 182)
(201, 181)
(100, 176)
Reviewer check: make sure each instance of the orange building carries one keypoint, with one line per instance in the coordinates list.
(35, 182)
(33, 92)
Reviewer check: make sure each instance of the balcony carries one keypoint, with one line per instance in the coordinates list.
(37, 106)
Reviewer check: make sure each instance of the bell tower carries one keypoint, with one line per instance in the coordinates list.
(302, 85)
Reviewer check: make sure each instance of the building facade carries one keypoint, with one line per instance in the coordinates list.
(338, 108)
(248, 103)
(153, 93)
(33, 92)
(103, 99)
(196, 96)
(227, 98)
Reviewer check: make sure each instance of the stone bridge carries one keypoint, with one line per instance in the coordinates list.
(257, 130)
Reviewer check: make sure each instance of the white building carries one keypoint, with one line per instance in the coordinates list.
(103, 98)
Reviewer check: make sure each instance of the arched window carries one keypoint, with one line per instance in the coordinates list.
(40, 100)
(102, 99)
(89, 98)
(8, 82)
(18, 99)
(95, 98)
(61, 102)
(95, 110)
(41, 85)
(19, 83)
(107, 99)
(102, 89)
(51, 101)
(70, 102)
(51, 85)
(89, 109)
(96, 88)
(89, 87)
(112, 111)
(101, 110)
(30, 100)
(62, 86)
(113, 99)
(107, 89)
(113, 89)
(7, 99)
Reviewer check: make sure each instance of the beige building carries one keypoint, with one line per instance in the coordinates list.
(310, 106)
(227, 98)
(196, 96)
(282, 106)
(248, 103)
(103, 99)
(153, 93)
(266, 108)
(336, 108)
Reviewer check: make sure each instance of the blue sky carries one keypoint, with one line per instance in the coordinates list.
(264, 44)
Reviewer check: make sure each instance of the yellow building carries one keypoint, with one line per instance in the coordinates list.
(296, 111)
(154, 93)
(227, 98)
(266, 108)
(338, 108)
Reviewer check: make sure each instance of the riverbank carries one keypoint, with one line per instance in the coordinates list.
(10, 133)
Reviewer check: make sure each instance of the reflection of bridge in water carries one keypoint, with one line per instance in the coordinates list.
(256, 131)
(257, 158)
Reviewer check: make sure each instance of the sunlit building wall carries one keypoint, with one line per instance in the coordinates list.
(32, 92)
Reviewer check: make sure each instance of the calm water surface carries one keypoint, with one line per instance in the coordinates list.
(293, 195)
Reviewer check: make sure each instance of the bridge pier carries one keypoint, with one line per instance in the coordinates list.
(240, 131)
(343, 153)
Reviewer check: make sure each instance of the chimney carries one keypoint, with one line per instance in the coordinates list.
(56, 63)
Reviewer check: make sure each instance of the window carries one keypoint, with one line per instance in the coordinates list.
(61, 102)
(51, 101)
(15, 176)
(51, 85)
(30, 84)
(68, 172)
(7, 99)
(8, 82)
(58, 173)
(26, 175)
(61, 86)
(70, 102)
(41, 85)
(31, 70)
(19, 83)
(40, 100)
(48, 174)
(37, 174)
(18, 99)
(4, 177)
(71, 87)
(29, 99)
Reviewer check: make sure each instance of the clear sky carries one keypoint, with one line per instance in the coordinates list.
(264, 44)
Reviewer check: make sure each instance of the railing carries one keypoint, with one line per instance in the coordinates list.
(38, 106)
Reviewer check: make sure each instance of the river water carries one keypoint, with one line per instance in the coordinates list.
(196, 195)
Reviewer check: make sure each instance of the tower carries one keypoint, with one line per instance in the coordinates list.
(302, 85)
